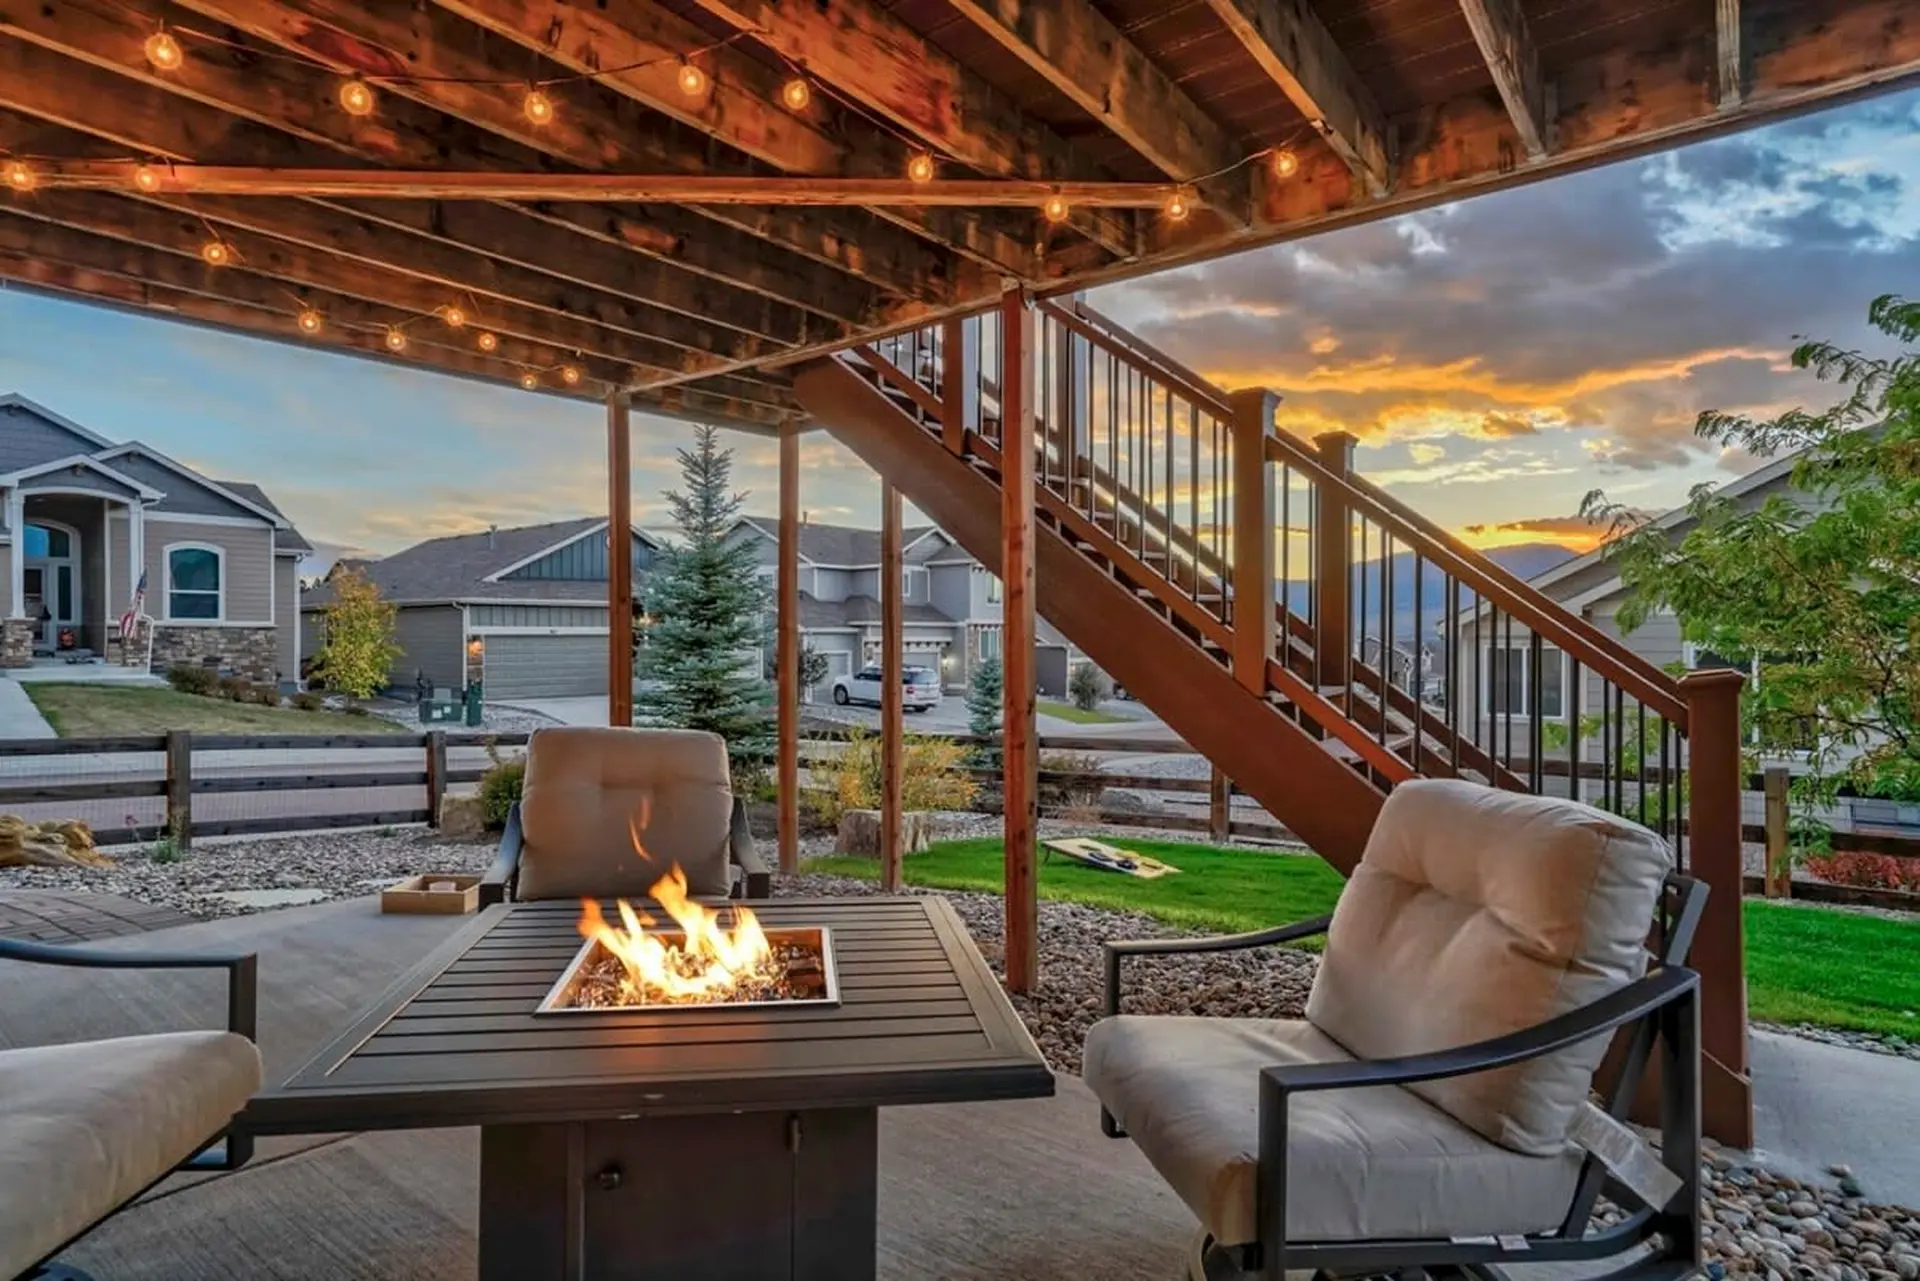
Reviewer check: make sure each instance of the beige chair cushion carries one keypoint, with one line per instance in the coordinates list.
(1475, 913)
(590, 792)
(84, 1128)
(1361, 1164)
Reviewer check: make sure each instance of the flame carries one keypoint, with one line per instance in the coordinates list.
(703, 964)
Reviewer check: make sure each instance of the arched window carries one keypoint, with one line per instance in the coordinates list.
(196, 582)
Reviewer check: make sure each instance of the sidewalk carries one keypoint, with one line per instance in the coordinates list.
(19, 718)
(1816, 1105)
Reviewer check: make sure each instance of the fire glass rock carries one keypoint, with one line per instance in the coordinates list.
(794, 971)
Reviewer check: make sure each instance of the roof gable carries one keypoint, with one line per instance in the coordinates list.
(31, 434)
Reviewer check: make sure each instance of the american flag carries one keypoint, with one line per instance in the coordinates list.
(132, 616)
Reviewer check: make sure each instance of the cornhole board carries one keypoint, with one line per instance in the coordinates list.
(1109, 858)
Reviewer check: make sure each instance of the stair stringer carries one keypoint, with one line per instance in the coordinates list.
(1323, 801)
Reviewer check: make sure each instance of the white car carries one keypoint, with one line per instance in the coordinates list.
(922, 688)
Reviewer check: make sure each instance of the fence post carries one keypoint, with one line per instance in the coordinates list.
(1333, 568)
(1778, 878)
(1715, 782)
(1253, 517)
(1219, 806)
(436, 775)
(180, 788)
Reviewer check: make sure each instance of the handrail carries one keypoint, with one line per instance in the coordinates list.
(1193, 387)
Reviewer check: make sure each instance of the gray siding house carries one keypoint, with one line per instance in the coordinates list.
(952, 617)
(86, 516)
(522, 610)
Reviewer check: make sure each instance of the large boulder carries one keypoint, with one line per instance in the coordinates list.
(860, 833)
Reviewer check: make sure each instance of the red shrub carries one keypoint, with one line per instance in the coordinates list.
(1867, 871)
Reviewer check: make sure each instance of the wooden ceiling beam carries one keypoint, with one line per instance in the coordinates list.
(1080, 52)
(1728, 80)
(1295, 50)
(593, 127)
(1500, 29)
(873, 56)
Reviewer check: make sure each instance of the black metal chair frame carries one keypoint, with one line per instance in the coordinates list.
(1662, 1009)
(501, 884)
(229, 1148)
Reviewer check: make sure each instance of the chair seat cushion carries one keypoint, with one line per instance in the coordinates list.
(86, 1127)
(1361, 1164)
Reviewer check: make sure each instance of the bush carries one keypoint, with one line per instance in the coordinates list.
(1087, 686)
(1076, 795)
(308, 702)
(933, 777)
(1867, 871)
(193, 680)
(500, 788)
(265, 693)
(234, 689)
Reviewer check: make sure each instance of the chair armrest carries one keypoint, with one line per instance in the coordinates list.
(243, 970)
(743, 855)
(1117, 949)
(502, 881)
(1634, 1001)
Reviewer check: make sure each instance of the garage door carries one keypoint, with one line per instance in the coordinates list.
(544, 667)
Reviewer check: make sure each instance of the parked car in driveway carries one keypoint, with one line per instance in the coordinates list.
(922, 688)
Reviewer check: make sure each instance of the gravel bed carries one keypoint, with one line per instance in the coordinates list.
(498, 720)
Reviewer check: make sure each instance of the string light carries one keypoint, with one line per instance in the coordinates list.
(538, 106)
(216, 253)
(692, 80)
(1179, 205)
(487, 341)
(1285, 163)
(396, 341)
(19, 175)
(309, 321)
(454, 316)
(920, 167)
(164, 52)
(796, 93)
(1056, 209)
(569, 375)
(146, 178)
(529, 380)
(356, 97)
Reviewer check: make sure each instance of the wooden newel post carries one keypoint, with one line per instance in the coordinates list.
(1253, 619)
(1778, 877)
(436, 775)
(619, 562)
(1333, 564)
(180, 789)
(1715, 781)
(1219, 806)
(1020, 762)
(787, 655)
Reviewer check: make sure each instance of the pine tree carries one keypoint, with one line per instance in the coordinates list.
(984, 706)
(707, 600)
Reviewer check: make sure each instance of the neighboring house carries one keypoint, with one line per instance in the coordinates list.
(952, 614)
(523, 610)
(84, 516)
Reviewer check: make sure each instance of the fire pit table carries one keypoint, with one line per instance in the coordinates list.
(693, 1142)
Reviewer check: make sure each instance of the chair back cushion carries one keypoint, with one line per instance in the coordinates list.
(607, 812)
(1474, 913)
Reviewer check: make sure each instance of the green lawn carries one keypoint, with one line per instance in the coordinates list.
(101, 711)
(1805, 964)
(1079, 716)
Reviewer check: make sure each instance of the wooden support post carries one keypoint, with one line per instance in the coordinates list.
(619, 562)
(1219, 807)
(787, 653)
(1715, 781)
(1021, 763)
(892, 692)
(180, 789)
(1777, 878)
(956, 362)
(436, 775)
(1253, 521)
(1333, 566)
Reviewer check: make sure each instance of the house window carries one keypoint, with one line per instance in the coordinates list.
(989, 643)
(196, 577)
(907, 578)
(1508, 682)
(995, 589)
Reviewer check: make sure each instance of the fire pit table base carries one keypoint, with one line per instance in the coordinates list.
(750, 1196)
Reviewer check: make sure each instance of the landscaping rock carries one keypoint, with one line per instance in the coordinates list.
(462, 819)
(860, 833)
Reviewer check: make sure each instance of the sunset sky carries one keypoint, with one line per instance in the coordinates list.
(1498, 358)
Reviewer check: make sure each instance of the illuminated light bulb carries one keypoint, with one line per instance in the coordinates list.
(356, 97)
(529, 381)
(488, 342)
(396, 341)
(1285, 163)
(1179, 205)
(309, 321)
(19, 176)
(538, 106)
(796, 93)
(692, 80)
(146, 178)
(455, 317)
(1056, 209)
(920, 167)
(569, 375)
(216, 253)
(164, 52)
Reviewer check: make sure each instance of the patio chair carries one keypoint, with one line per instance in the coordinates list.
(605, 812)
(87, 1127)
(1420, 1116)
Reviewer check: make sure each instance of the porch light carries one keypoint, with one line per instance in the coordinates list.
(164, 52)
(455, 317)
(692, 80)
(310, 321)
(356, 97)
(796, 93)
(920, 167)
(1056, 208)
(216, 253)
(396, 341)
(19, 175)
(146, 178)
(1285, 163)
(537, 106)
(487, 341)
(476, 647)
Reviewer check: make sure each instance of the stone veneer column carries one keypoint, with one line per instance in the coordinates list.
(17, 561)
(251, 652)
(16, 642)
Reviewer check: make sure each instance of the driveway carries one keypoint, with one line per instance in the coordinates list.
(590, 710)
